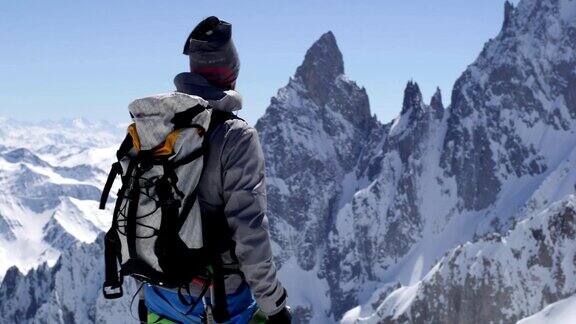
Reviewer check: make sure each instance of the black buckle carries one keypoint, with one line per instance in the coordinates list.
(112, 291)
(169, 203)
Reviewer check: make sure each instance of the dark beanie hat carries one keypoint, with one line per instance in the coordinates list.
(212, 52)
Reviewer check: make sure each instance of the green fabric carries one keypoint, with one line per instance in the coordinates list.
(155, 319)
(258, 318)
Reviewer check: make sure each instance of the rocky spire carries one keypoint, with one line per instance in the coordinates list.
(322, 64)
(436, 104)
(412, 98)
(323, 58)
(508, 11)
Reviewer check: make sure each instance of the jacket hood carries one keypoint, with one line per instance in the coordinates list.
(219, 99)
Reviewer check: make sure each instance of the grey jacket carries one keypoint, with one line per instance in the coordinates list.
(233, 180)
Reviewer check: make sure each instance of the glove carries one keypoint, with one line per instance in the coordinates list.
(282, 317)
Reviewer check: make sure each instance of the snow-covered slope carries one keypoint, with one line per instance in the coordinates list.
(59, 138)
(50, 178)
(561, 312)
(68, 292)
(497, 278)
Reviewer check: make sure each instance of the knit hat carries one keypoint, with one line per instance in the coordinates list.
(212, 52)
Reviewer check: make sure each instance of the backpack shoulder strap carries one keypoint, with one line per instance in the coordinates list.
(220, 117)
(125, 147)
(219, 302)
(116, 169)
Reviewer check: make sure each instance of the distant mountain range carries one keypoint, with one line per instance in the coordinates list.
(459, 214)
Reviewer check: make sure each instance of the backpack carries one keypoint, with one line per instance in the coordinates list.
(157, 234)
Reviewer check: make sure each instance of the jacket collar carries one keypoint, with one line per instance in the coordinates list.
(195, 84)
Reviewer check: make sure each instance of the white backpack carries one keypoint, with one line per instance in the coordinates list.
(156, 233)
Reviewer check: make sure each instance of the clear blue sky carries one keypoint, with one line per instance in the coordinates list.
(69, 58)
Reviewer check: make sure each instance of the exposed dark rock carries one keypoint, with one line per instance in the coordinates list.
(436, 104)
(508, 12)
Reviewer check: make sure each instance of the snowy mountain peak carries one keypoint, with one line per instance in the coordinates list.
(22, 155)
(412, 98)
(545, 17)
(416, 115)
(313, 135)
(320, 80)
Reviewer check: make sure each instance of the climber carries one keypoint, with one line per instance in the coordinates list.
(231, 185)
